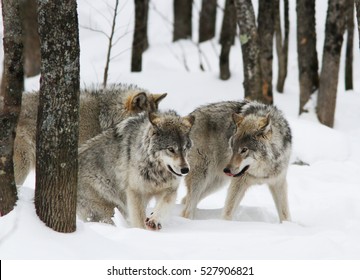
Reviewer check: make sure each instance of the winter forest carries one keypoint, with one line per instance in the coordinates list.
(300, 55)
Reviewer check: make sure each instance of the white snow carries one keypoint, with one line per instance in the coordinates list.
(324, 194)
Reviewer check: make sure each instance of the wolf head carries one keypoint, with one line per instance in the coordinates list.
(171, 142)
(248, 142)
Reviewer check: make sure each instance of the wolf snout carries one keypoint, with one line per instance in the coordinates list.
(227, 171)
(184, 170)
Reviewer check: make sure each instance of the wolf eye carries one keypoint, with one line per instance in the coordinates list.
(243, 150)
(171, 150)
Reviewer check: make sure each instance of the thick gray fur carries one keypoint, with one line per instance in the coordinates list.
(228, 136)
(125, 166)
(99, 110)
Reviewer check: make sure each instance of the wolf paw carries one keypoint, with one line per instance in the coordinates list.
(152, 224)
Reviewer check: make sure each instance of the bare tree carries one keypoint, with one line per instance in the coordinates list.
(58, 115)
(227, 37)
(282, 46)
(207, 20)
(306, 47)
(249, 41)
(10, 101)
(349, 44)
(357, 5)
(334, 30)
(139, 41)
(266, 34)
(110, 45)
(182, 19)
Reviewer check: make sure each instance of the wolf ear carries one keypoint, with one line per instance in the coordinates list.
(264, 124)
(188, 121)
(138, 101)
(237, 118)
(154, 119)
(158, 97)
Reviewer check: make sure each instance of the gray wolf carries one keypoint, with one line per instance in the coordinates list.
(246, 142)
(99, 110)
(125, 166)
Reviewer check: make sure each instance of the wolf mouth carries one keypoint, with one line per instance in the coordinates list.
(172, 170)
(240, 173)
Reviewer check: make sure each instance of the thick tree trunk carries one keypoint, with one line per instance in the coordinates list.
(349, 45)
(282, 46)
(146, 40)
(139, 40)
(227, 37)
(28, 9)
(249, 41)
(306, 47)
(207, 20)
(58, 115)
(182, 19)
(10, 101)
(335, 27)
(266, 34)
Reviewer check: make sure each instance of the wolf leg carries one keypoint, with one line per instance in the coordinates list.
(235, 194)
(279, 194)
(24, 158)
(136, 209)
(162, 210)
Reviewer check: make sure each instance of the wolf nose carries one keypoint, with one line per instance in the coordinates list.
(184, 170)
(227, 170)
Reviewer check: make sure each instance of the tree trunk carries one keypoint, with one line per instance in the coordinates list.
(334, 30)
(306, 47)
(357, 5)
(28, 9)
(249, 41)
(282, 47)
(349, 45)
(227, 37)
(58, 115)
(207, 20)
(139, 40)
(146, 40)
(266, 36)
(10, 101)
(182, 19)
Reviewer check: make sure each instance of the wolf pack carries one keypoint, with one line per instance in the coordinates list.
(131, 152)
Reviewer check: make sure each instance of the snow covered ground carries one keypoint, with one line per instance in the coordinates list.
(324, 194)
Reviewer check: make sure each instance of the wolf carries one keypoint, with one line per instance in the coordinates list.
(142, 157)
(99, 110)
(246, 142)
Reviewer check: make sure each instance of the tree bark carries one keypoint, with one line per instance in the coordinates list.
(207, 20)
(282, 46)
(306, 47)
(58, 115)
(266, 34)
(227, 37)
(139, 40)
(334, 30)
(182, 19)
(10, 101)
(249, 41)
(28, 10)
(349, 45)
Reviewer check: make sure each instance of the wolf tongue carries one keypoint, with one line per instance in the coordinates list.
(229, 174)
